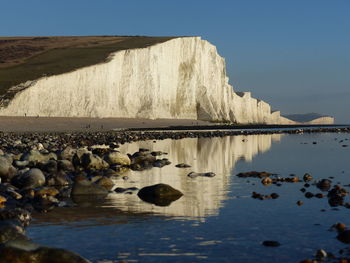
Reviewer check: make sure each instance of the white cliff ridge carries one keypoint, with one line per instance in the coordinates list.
(183, 78)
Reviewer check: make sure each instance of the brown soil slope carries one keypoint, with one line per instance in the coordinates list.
(29, 58)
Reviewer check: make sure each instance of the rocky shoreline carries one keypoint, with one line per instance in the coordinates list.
(41, 171)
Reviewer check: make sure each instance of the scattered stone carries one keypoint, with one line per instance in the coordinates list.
(307, 177)
(336, 196)
(321, 254)
(319, 195)
(309, 195)
(299, 203)
(266, 181)
(161, 163)
(274, 196)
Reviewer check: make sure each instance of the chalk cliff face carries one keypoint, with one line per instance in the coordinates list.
(183, 78)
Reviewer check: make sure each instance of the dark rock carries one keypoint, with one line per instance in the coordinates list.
(120, 190)
(10, 229)
(19, 214)
(324, 184)
(336, 196)
(344, 236)
(28, 252)
(161, 163)
(30, 179)
(309, 195)
(274, 196)
(271, 243)
(182, 165)
(254, 174)
(65, 165)
(159, 194)
(194, 175)
(266, 181)
(50, 166)
(319, 195)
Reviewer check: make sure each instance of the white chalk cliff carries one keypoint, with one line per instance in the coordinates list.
(183, 78)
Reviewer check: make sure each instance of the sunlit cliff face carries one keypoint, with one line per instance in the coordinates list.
(183, 78)
(202, 196)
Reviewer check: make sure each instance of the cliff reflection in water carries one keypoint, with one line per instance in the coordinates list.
(202, 196)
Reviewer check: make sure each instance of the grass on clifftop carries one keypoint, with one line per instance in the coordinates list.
(30, 62)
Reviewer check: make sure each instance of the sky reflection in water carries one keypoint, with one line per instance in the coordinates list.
(216, 220)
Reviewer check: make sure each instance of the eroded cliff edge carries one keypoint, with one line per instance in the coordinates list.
(182, 78)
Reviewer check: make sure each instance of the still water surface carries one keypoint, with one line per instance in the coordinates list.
(216, 220)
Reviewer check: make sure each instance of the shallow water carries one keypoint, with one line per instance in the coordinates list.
(216, 220)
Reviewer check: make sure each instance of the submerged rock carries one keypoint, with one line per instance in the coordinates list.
(159, 194)
(194, 175)
(82, 186)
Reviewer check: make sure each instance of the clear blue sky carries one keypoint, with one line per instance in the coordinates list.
(294, 54)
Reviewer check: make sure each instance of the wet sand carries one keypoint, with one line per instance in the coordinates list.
(62, 124)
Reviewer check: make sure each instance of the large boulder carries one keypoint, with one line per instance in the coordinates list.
(30, 179)
(67, 153)
(37, 157)
(117, 158)
(6, 168)
(159, 194)
(93, 161)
